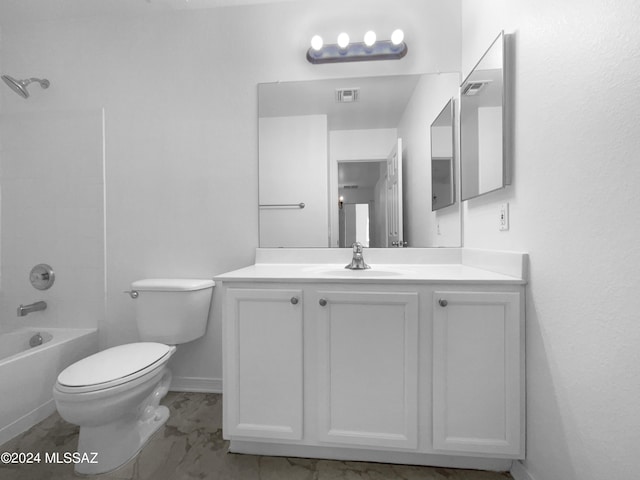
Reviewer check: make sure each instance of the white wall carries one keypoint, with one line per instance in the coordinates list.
(362, 224)
(180, 99)
(52, 212)
(490, 170)
(575, 207)
(293, 165)
(440, 228)
(441, 141)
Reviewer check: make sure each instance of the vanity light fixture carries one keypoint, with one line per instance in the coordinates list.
(370, 39)
(343, 41)
(369, 49)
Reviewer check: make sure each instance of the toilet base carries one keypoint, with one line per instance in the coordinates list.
(105, 448)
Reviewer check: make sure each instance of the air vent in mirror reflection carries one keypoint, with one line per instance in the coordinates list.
(347, 95)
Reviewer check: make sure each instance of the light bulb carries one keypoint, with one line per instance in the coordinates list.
(343, 40)
(370, 38)
(316, 42)
(397, 37)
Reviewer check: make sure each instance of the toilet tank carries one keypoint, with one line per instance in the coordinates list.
(172, 311)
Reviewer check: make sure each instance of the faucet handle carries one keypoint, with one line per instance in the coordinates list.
(357, 247)
(400, 244)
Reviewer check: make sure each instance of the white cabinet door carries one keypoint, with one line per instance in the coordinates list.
(263, 371)
(478, 373)
(367, 368)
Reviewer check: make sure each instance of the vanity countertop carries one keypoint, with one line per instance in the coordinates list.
(401, 266)
(380, 273)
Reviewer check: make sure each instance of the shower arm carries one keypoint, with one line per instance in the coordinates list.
(44, 83)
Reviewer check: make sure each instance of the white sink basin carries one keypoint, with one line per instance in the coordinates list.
(361, 273)
(340, 271)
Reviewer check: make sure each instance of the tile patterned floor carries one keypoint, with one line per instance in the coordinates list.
(190, 446)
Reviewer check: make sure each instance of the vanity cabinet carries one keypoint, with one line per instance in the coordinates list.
(367, 360)
(414, 371)
(478, 372)
(365, 350)
(263, 363)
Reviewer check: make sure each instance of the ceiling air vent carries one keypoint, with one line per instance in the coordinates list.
(347, 187)
(473, 88)
(347, 95)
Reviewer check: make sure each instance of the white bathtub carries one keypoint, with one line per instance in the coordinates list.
(27, 374)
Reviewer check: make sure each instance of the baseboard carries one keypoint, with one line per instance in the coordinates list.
(518, 472)
(196, 384)
(27, 421)
(365, 455)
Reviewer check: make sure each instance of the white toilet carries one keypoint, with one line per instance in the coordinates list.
(114, 395)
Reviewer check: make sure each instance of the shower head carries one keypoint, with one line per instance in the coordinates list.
(20, 86)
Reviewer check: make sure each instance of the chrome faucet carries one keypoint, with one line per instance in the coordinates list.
(33, 307)
(357, 262)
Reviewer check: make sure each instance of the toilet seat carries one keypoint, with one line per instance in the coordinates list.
(113, 366)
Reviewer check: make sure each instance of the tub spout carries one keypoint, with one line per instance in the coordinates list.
(33, 307)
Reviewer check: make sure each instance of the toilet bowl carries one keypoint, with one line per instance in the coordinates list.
(114, 395)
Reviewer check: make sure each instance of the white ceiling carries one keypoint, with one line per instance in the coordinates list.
(16, 11)
(381, 104)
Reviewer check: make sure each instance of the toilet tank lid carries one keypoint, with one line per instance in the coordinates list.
(172, 284)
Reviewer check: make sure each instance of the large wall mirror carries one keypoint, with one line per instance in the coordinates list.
(442, 158)
(485, 132)
(344, 160)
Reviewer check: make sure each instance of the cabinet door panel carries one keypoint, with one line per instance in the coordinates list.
(477, 372)
(367, 357)
(263, 374)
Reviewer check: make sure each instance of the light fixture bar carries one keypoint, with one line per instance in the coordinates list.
(357, 52)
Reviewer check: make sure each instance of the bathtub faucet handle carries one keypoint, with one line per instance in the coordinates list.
(42, 276)
(132, 293)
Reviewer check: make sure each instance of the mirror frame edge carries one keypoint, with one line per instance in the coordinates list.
(508, 113)
(451, 105)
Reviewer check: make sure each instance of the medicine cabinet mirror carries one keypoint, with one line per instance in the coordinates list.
(485, 126)
(442, 158)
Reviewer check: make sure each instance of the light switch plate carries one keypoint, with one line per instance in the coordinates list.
(504, 217)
